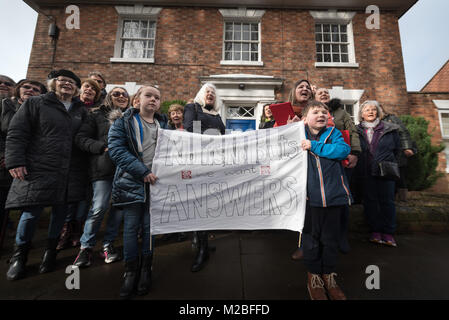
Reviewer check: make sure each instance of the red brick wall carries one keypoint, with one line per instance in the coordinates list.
(440, 81)
(189, 45)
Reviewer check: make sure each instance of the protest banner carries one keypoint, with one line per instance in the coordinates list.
(245, 181)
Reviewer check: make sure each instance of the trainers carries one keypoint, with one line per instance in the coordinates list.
(315, 286)
(375, 237)
(110, 254)
(84, 258)
(333, 290)
(388, 240)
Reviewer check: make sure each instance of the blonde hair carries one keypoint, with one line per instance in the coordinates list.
(200, 97)
(174, 107)
(95, 86)
(51, 85)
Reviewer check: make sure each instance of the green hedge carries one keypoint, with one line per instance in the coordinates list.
(166, 104)
(421, 170)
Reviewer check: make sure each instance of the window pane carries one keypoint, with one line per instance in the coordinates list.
(237, 47)
(317, 28)
(254, 36)
(254, 57)
(335, 38)
(228, 55)
(349, 109)
(237, 27)
(336, 57)
(144, 33)
(335, 48)
(130, 29)
(245, 56)
(319, 58)
(133, 49)
(327, 58)
(327, 37)
(445, 123)
(245, 27)
(335, 28)
(150, 44)
(319, 48)
(144, 24)
(254, 47)
(237, 35)
(254, 27)
(327, 48)
(228, 35)
(343, 28)
(319, 37)
(245, 36)
(228, 46)
(236, 55)
(326, 28)
(344, 48)
(344, 58)
(228, 26)
(344, 38)
(245, 46)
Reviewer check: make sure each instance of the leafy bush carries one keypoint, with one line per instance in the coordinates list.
(421, 171)
(166, 104)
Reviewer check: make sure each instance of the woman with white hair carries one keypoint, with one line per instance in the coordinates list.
(205, 108)
(377, 166)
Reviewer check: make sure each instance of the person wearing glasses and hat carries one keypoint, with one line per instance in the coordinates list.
(39, 152)
(93, 138)
(24, 89)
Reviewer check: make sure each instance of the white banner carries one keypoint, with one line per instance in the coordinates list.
(251, 180)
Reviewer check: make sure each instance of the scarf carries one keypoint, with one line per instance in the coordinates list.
(369, 126)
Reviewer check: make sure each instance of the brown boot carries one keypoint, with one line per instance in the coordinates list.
(315, 285)
(333, 290)
(64, 237)
(298, 254)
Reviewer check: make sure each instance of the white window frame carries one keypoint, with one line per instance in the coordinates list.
(334, 17)
(242, 15)
(136, 12)
(443, 107)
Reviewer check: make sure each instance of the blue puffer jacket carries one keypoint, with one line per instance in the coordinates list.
(327, 184)
(128, 186)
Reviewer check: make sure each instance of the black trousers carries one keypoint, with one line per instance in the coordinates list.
(320, 239)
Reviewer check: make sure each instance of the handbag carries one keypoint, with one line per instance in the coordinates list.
(389, 170)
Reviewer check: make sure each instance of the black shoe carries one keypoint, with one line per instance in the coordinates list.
(144, 285)
(110, 254)
(84, 258)
(203, 252)
(49, 258)
(17, 262)
(129, 279)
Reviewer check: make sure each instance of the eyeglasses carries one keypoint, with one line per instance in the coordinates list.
(27, 87)
(6, 83)
(66, 81)
(117, 94)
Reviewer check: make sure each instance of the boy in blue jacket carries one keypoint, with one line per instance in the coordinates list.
(327, 192)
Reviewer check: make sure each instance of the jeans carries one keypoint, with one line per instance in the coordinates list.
(378, 204)
(77, 211)
(135, 216)
(100, 204)
(28, 222)
(321, 238)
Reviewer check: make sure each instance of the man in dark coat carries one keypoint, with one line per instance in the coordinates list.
(38, 156)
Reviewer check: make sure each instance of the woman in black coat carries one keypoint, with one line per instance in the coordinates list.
(38, 156)
(93, 138)
(206, 109)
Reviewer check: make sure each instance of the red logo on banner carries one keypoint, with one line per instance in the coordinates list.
(265, 170)
(186, 174)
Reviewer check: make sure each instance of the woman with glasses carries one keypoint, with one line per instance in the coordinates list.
(39, 148)
(24, 89)
(93, 138)
(6, 86)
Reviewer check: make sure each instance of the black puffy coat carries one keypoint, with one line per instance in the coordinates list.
(40, 138)
(9, 109)
(194, 112)
(93, 138)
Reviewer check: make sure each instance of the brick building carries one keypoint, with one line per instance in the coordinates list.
(253, 51)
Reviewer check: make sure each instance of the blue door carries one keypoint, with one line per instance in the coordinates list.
(241, 125)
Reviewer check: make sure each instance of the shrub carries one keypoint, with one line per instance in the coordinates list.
(421, 171)
(166, 104)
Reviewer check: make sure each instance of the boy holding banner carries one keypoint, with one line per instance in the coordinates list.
(327, 192)
(132, 142)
